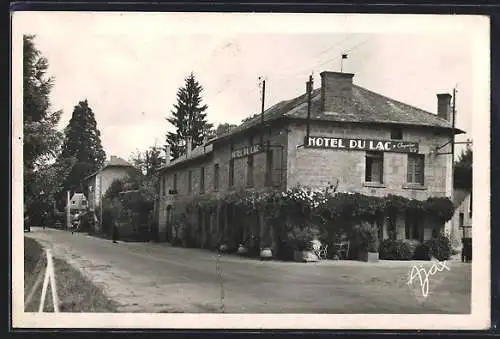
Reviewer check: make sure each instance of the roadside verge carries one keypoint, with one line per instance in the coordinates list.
(76, 293)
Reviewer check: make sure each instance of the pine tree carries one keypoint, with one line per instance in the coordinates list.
(82, 141)
(188, 118)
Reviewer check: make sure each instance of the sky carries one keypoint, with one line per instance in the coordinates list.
(130, 66)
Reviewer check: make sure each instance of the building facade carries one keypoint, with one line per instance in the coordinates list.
(461, 222)
(354, 139)
(98, 183)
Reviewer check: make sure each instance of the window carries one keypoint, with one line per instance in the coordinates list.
(202, 179)
(190, 181)
(374, 167)
(250, 170)
(175, 182)
(216, 176)
(269, 168)
(231, 173)
(397, 134)
(73, 202)
(461, 220)
(415, 174)
(163, 186)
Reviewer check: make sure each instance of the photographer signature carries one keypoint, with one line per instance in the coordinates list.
(420, 272)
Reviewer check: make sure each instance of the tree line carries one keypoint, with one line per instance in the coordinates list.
(57, 161)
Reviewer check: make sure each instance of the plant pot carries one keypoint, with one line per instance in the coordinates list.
(368, 256)
(242, 250)
(266, 253)
(304, 256)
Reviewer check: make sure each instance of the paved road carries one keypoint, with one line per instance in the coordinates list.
(147, 277)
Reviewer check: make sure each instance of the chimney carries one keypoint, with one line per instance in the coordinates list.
(205, 139)
(336, 92)
(189, 145)
(444, 107)
(167, 155)
(113, 158)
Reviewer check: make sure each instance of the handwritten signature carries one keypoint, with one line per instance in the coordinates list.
(423, 275)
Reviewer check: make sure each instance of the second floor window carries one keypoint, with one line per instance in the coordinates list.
(216, 176)
(415, 174)
(250, 170)
(374, 167)
(175, 182)
(190, 181)
(231, 173)
(202, 179)
(163, 186)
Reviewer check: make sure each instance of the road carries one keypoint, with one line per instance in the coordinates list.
(148, 277)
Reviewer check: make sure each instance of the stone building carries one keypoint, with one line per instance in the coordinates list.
(358, 141)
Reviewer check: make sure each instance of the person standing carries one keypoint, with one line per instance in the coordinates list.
(114, 233)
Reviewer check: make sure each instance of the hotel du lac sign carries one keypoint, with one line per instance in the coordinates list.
(356, 144)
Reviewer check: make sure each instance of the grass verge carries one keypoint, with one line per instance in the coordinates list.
(76, 293)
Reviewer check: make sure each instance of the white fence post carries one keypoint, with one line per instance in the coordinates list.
(49, 277)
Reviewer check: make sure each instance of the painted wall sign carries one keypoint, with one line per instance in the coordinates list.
(246, 151)
(362, 144)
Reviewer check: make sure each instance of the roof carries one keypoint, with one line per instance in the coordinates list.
(114, 161)
(368, 107)
(197, 152)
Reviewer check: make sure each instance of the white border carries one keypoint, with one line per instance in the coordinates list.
(266, 23)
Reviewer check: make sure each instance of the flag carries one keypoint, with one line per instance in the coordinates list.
(344, 56)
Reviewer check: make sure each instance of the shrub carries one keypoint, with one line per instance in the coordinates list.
(398, 249)
(299, 239)
(366, 237)
(439, 248)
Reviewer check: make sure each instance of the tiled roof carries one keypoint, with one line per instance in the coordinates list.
(195, 153)
(367, 107)
(116, 161)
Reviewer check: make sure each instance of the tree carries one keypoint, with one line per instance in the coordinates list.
(462, 173)
(82, 141)
(41, 139)
(149, 161)
(188, 118)
(224, 129)
(144, 178)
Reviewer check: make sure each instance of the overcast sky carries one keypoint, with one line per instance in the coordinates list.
(129, 66)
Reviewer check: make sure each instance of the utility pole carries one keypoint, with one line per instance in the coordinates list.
(262, 110)
(453, 113)
(68, 213)
(309, 90)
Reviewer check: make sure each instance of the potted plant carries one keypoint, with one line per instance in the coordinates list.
(266, 251)
(367, 242)
(302, 240)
